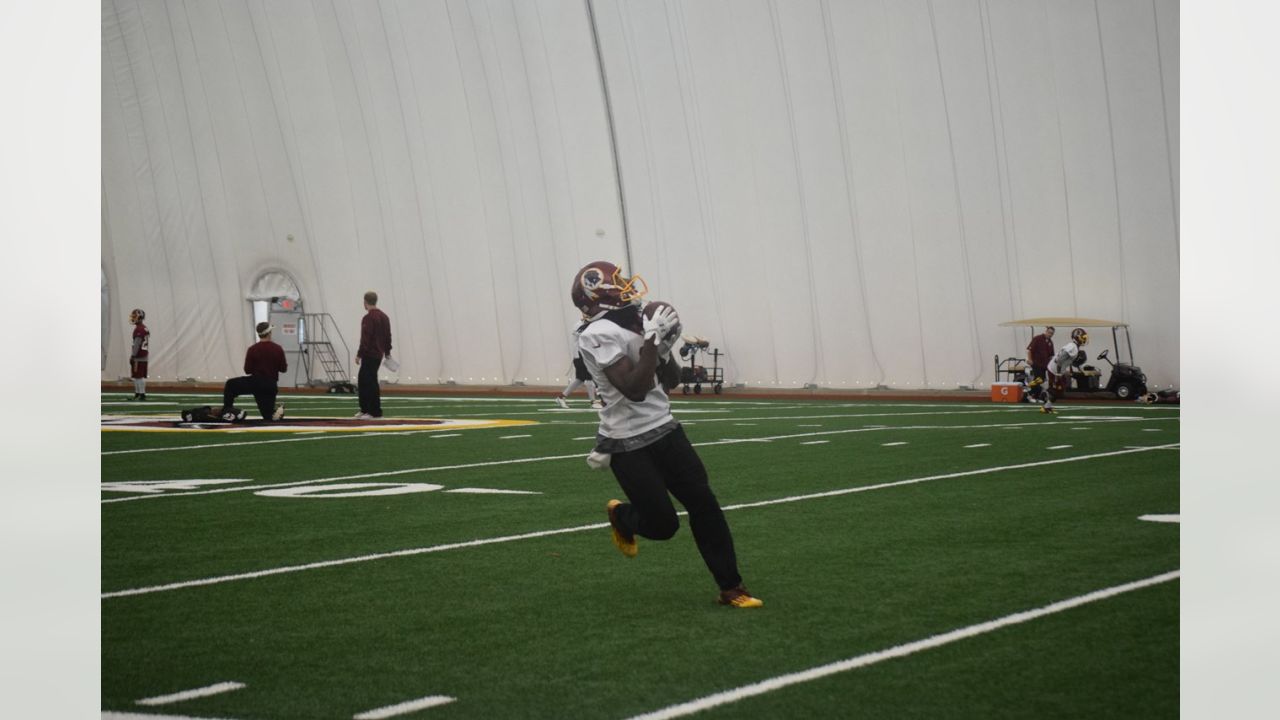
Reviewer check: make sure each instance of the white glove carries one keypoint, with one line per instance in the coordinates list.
(660, 326)
(664, 346)
(598, 460)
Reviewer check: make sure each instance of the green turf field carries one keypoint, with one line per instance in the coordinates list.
(872, 531)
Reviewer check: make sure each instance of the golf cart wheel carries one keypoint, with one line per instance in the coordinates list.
(697, 389)
(684, 390)
(719, 388)
(1125, 391)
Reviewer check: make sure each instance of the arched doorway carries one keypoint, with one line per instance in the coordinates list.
(275, 298)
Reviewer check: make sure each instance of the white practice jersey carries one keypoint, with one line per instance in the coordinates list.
(603, 343)
(1061, 362)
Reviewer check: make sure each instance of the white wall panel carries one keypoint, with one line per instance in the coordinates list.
(849, 193)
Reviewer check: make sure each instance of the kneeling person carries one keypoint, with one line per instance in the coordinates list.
(626, 351)
(263, 362)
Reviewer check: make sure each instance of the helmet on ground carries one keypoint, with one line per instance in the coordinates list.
(600, 287)
(137, 315)
(1079, 336)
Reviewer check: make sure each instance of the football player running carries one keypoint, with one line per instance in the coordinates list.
(627, 351)
(1059, 370)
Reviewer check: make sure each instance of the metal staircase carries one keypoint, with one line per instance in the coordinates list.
(319, 334)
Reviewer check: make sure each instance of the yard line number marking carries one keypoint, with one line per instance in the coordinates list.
(777, 683)
(206, 691)
(429, 701)
(594, 526)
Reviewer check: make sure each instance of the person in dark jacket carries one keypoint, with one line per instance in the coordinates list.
(1039, 353)
(375, 344)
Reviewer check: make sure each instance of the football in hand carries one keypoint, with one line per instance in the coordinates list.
(653, 307)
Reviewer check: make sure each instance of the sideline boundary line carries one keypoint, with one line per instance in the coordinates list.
(777, 683)
(581, 528)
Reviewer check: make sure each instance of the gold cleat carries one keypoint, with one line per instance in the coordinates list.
(739, 597)
(625, 541)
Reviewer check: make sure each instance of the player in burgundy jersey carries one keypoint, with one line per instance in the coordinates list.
(138, 354)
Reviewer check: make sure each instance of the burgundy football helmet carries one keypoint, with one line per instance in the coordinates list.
(600, 287)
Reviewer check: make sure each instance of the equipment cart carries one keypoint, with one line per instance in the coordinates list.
(696, 375)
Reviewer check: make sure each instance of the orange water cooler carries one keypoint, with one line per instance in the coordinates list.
(1006, 392)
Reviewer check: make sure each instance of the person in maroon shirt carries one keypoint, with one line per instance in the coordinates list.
(375, 344)
(1039, 353)
(264, 361)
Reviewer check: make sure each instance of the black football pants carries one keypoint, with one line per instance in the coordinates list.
(367, 386)
(263, 392)
(670, 465)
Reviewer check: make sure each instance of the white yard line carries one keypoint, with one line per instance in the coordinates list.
(781, 681)
(594, 526)
(205, 446)
(893, 444)
(215, 689)
(816, 442)
(114, 715)
(977, 445)
(512, 437)
(492, 491)
(913, 481)
(405, 707)
(1057, 447)
(1161, 518)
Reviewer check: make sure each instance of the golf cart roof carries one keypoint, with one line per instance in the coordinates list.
(1066, 322)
